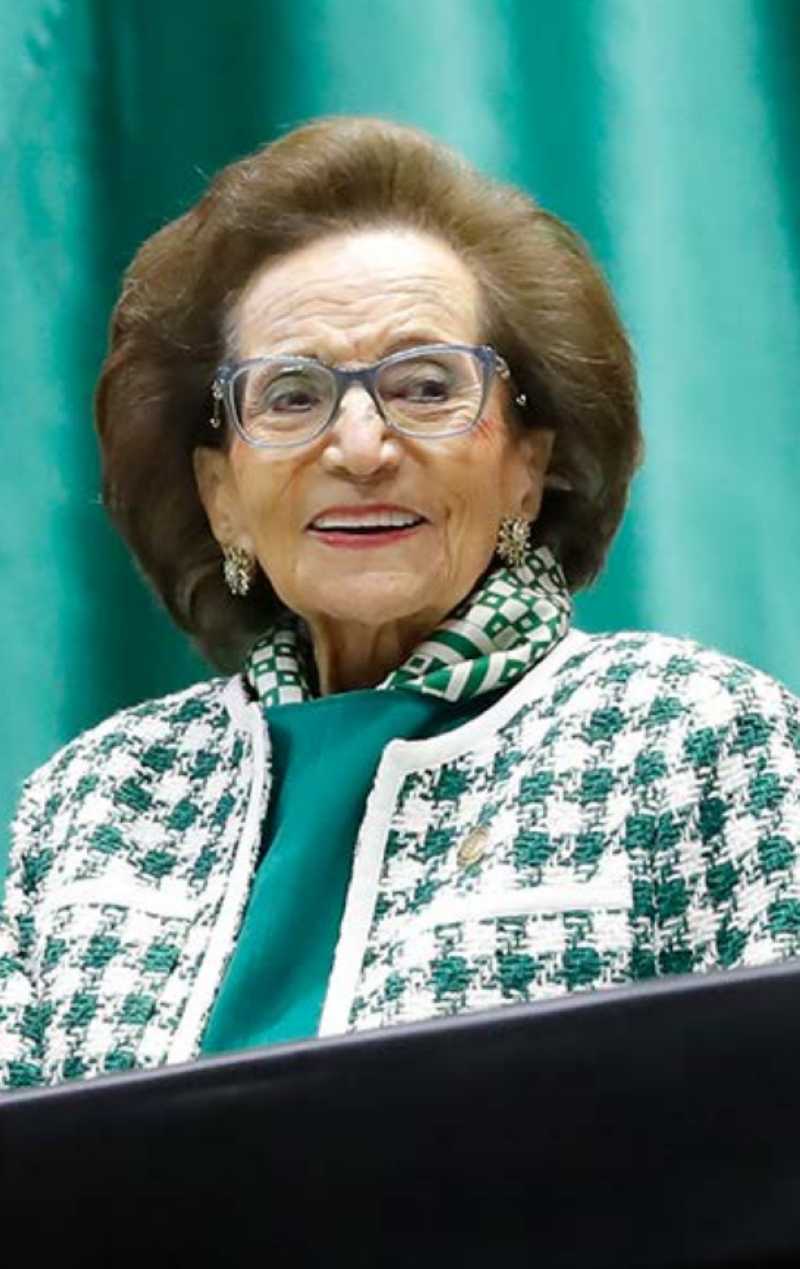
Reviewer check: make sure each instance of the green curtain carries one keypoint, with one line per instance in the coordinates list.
(666, 131)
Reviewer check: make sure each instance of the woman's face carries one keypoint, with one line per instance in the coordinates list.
(349, 300)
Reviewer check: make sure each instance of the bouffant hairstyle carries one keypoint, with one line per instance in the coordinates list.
(546, 306)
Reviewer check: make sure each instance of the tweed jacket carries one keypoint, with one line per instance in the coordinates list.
(630, 807)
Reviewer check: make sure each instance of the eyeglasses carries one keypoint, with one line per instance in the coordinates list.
(428, 392)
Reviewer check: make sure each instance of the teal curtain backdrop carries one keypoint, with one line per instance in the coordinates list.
(666, 131)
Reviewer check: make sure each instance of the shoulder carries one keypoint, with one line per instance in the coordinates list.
(637, 668)
(640, 724)
(149, 732)
(639, 690)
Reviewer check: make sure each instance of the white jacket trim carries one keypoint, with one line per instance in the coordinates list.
(189, 1032)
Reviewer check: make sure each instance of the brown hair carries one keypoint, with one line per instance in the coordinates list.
(548, 311)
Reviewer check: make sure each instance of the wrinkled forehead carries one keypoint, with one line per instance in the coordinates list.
(357, 294)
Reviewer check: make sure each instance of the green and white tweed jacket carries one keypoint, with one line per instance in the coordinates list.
(630, 807)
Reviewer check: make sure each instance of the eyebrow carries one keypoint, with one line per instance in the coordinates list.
(411, 340)
(402, 342)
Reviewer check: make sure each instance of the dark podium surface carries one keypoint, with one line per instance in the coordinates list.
(656, 1125)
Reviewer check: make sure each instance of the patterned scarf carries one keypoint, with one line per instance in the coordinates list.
(509, 623)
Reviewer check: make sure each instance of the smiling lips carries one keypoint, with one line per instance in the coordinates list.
(367, 526)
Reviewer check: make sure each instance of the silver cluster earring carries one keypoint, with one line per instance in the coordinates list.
(512, 540)
(239, 568)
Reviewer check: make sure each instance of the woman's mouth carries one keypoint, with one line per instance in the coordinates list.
(363, 527)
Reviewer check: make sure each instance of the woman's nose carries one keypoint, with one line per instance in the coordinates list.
(359, 442)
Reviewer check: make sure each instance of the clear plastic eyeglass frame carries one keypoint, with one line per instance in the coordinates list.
(223, 390)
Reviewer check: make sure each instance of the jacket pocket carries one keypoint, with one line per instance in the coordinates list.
(596, 895)
(104, 892)
(112, 965)
(483, 950)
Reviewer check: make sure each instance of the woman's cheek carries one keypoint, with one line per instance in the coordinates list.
(487, 430)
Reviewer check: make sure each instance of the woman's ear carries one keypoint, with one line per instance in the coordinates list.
(537, 447)
(218, 494)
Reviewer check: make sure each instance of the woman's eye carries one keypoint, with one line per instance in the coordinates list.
(297, 399)
(288, 398)
(422, 387)
(430, 389)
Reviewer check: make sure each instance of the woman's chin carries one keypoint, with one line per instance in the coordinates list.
(376, 599)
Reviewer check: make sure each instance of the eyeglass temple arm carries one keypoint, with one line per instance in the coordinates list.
(216, 396)
(502, 367)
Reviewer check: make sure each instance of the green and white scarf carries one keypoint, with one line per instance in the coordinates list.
(499, 632)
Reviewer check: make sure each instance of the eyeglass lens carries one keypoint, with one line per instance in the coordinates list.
(437, 392)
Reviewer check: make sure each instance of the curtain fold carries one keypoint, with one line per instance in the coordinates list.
(666, 131)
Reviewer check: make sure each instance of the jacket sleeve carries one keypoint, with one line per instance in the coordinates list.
(20, 1021)
(731, 895)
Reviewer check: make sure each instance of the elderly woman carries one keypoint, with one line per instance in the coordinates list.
(367, 419)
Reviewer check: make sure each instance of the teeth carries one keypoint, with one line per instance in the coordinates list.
(367, 520)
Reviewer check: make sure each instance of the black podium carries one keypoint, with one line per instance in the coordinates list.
(655, 1125)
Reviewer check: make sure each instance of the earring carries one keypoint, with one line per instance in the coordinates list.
(512, 540)
(239, 569)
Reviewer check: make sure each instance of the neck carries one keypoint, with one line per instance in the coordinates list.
(350, 655)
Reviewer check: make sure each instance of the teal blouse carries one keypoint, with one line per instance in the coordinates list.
(324, 757)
